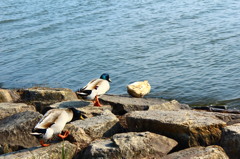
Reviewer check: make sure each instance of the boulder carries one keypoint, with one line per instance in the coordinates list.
(210, 152)
(42, 97)
(7, 95)
(139, 89)
(78, 137)
(85, 106)
(55, 151)
(188, 127)
(230, 141)
(8, 109)
(130, 145)
(15, 131)
(143, 144)
(122, 105)
(101, 149)
(103, 125)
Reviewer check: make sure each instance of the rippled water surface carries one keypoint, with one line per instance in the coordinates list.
(189, 50)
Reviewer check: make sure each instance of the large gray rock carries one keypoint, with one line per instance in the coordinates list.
(103, 125)
(101, 149)
(7, 95)
(122, 105)
(188, 127)
(130, 145)
(15, 131)
(85, 106)
(8, 109)
(42, 97)
(143, 144)
(231, 141)
(55, 151)
(210, 152)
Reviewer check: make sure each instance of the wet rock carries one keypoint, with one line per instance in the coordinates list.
(42, 97)
(8, 109)
(188, 127)
(139, 89)
(130, 145)
(55, 151)
(103, 125)
(210, 152)
(8, 95)
(15, 131)
(231, 140)
(122, 105)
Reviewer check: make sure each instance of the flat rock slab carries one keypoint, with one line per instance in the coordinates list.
(55, 151)
(230, 141)
(8, 109)
(122, 105)
(7, 95)
(42, 97)
(82, 105)
(210, 152)
(188, 127)
(130, 145)
(15, 131)
(103, 125)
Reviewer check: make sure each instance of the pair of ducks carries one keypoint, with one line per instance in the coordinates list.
(54, 120)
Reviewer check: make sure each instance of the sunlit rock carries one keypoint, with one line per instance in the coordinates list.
(139, 89)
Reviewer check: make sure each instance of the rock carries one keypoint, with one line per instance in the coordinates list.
(42, 97)
(210, 152)
(139, 89)
(143, 144)
(122, 105)
(188, 127)
(78, 136)
(101, 149)
(103, 125)
(130, 145)
(85, 106)
(8, 95)
(55, 151)
(231, 140)
(8, 109)
(15, 131)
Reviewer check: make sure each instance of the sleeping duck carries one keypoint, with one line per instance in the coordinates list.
(95, 88)
(54, 121)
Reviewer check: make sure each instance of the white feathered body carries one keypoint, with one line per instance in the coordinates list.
(96, 87)
(54, 122)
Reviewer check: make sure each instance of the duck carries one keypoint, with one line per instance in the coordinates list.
(54, 121)
(95, 88)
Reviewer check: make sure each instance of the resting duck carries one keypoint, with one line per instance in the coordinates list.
(95, 88)
(54, 121)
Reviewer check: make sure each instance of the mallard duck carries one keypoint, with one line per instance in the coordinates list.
(54, 121)
(95, 88)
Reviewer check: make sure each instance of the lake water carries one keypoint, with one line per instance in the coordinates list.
(188, 50)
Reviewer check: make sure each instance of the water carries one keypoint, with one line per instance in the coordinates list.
(188, 50)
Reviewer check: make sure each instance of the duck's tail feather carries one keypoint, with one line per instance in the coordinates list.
(38, 132)
(84, 92)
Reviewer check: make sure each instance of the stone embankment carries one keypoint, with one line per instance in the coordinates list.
(124, 127)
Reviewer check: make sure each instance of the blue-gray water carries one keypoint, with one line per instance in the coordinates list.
(189, 50)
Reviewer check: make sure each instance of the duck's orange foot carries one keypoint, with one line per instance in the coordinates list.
(66, 133)
(44, 145)
(96, 102)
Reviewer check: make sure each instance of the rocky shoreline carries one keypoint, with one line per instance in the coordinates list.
(124, 128)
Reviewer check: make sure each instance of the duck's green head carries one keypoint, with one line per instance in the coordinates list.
(105, 76)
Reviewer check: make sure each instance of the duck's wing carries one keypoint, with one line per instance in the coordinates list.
(48, 119)
(102, 86)
(91, 85)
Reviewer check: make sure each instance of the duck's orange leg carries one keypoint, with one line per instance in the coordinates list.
(96, 102)
(44, 145)
(66, 133)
